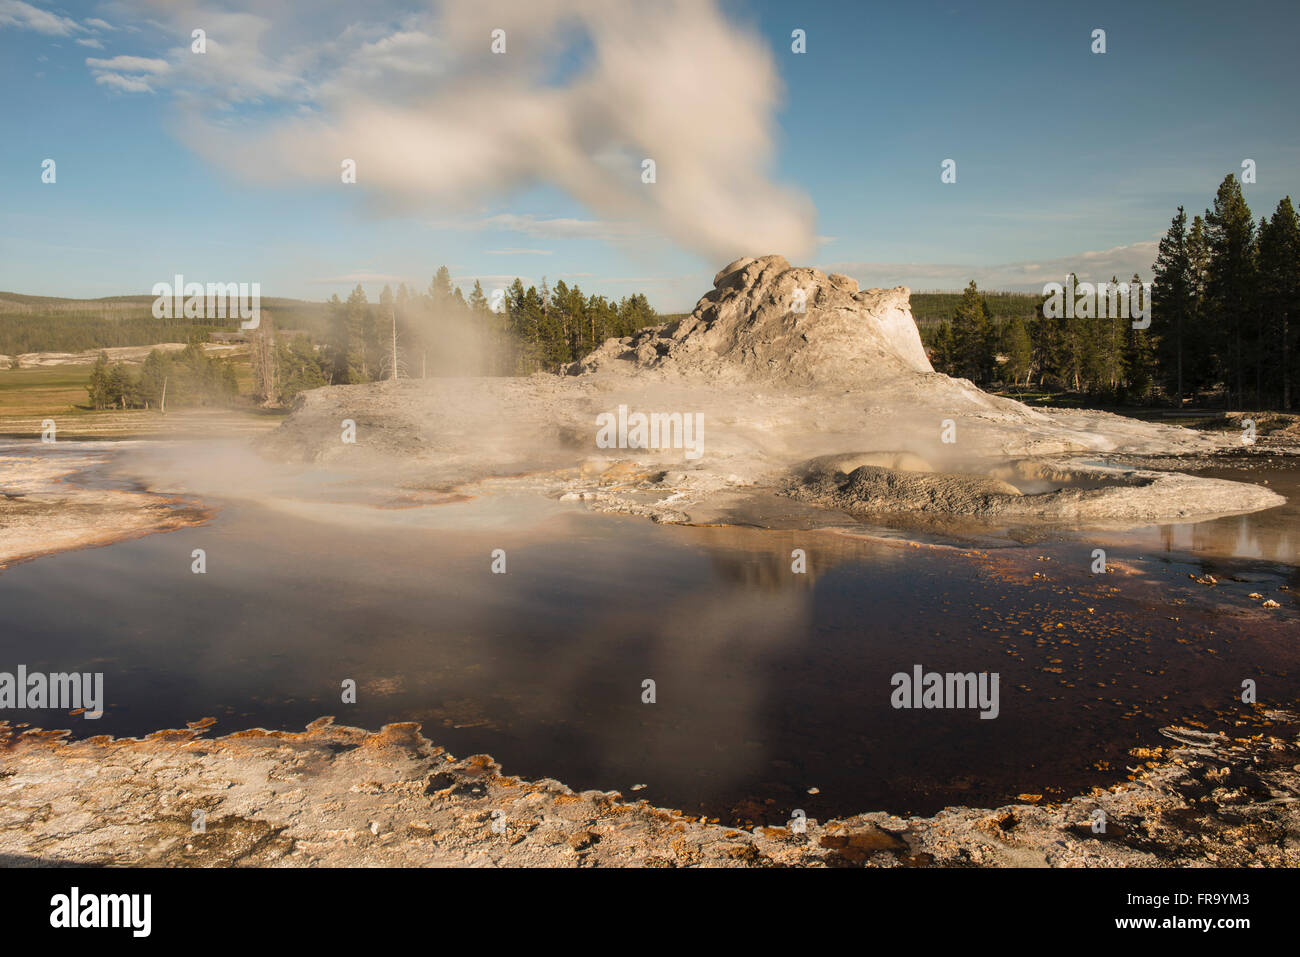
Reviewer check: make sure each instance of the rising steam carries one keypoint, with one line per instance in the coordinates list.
(585, 91)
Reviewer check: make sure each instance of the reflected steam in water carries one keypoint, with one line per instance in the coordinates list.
(768, 682)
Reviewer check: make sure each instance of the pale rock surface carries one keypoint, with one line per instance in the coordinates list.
(768, 322)
(335, 796)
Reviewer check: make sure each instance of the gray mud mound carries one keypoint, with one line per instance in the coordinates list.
(1019, 492)
(871, 489)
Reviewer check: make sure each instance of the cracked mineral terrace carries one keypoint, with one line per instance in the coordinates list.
(338, 796)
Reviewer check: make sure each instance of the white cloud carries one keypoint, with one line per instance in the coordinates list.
(130, 64)
(97, 24)
(127, 84)
(114, 72)
(559, 227)
(586, 91)
(518, 252)
(235, 68)
(92, 43)
(24, 16)
(401, 64)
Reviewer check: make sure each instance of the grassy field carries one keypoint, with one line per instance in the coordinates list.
(53, 391)
(30, 396)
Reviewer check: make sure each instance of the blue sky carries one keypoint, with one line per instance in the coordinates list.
(223, 167)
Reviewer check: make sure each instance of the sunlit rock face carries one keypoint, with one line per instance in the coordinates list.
(766, 321)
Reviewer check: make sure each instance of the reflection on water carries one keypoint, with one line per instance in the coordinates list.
(1269, 535)
(1237, 537)
(769, 683)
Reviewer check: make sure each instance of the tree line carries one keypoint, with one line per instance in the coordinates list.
(189, 377)
(438, 332)
(52, 332)
(1224, 292)
(443, 332)
(1098, 355)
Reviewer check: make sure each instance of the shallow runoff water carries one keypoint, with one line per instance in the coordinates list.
(772, 688)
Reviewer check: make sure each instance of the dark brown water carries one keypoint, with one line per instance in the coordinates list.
(769, 683)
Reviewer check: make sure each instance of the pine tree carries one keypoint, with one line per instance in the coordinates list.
(337, 354)
(361, 339)
(562, 323)
(386, 326)
(98, 386)
(119, 386)
(1174, 293)
(1018, 349)
(941, 348)
(299, 368)
(153, 373)
(972, 326)
(1046, 335)
(531, 324)
(491, 332)
(1229, 235)
(579, 325)
(440, 289)
(1202, 365)
(1118, 322)
(1279, 286)
(478, 303)
(602, 317)
(1139, 354)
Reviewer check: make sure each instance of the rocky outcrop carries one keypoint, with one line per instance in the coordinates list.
(766, 321)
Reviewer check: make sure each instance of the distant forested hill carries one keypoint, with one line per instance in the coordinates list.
(931, 308)
(51, 324)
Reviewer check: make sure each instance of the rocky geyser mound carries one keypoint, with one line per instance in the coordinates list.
(780, 366)
(767, 321)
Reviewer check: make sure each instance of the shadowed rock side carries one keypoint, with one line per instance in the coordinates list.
(338, 796)
(780, 366)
